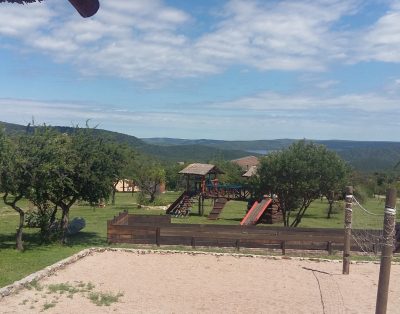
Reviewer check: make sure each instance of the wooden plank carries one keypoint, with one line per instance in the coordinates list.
(179, 228)
(283, 237)
(254, 229)
(138, 219)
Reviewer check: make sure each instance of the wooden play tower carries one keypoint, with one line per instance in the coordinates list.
(202, 183)
(198, 177)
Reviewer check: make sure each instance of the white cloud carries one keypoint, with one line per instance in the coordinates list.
(380, 41)
(22, 20)
(267, 101)
(146, 40)
(326, 84)
(286, 35)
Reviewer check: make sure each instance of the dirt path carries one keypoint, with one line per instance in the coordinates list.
(185, 283)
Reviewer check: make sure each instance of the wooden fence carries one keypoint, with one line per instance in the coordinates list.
(158, 230)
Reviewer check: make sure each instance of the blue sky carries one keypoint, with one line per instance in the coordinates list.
(232, 70)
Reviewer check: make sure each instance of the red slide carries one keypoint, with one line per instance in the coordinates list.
(255, 212)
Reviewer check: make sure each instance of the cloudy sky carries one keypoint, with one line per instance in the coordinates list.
(239, 69)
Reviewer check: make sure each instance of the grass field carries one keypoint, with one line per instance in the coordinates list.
(15, 265)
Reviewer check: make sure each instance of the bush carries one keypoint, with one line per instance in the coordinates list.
(142, 199)
(43, 219)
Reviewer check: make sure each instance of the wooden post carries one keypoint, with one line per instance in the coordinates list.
(329, 248)
(187, 183)
(158, 236)
(201, 204)
(283, 247)
(387, 252)
(347, 229)
(200, 211)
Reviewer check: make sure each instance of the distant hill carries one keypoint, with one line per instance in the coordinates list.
(368, 156)
(362, 155)
(262, 146)
(187, 153)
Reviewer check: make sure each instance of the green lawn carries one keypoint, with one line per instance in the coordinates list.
(15, 265)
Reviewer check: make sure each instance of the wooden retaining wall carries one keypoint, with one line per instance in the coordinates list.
(159, 230)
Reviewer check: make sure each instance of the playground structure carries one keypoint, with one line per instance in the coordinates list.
(202, 183)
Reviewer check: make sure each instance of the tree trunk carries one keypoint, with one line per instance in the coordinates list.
(64, 223)
(65, 216)
(331, 199)
(284, 217)
(285, 213)
(20, 244)
(300, 214)
(113, 196)
(19, 210)
(330, 209)
(153, 193)
(53, 216)
(152, 197)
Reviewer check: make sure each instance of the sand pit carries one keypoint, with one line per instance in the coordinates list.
(204, 283)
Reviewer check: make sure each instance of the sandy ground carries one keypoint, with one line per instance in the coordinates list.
(185, 283)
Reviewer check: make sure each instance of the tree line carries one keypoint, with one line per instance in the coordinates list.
(54, 170)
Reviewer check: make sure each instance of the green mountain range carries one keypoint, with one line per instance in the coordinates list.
(366, 156)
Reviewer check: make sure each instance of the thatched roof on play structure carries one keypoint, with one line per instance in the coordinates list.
(86, 8)
(201, 169)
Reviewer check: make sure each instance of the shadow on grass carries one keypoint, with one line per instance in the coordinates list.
(7, 241)
(32, 241)
(86, 239)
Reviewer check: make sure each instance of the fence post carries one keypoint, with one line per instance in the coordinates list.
(237, 245)
(329, 248)
(347, 229)
(387, 252)
(158, 236)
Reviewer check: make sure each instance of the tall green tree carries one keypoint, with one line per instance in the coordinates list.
(298, 175)
(15, 179)
(86, 172)
(335, 176)
(54, 170)
(149, 175)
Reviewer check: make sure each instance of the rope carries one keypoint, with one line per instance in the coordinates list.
(366, 210)
(320, 292)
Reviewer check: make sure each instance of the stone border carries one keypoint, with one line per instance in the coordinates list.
(48, 271)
